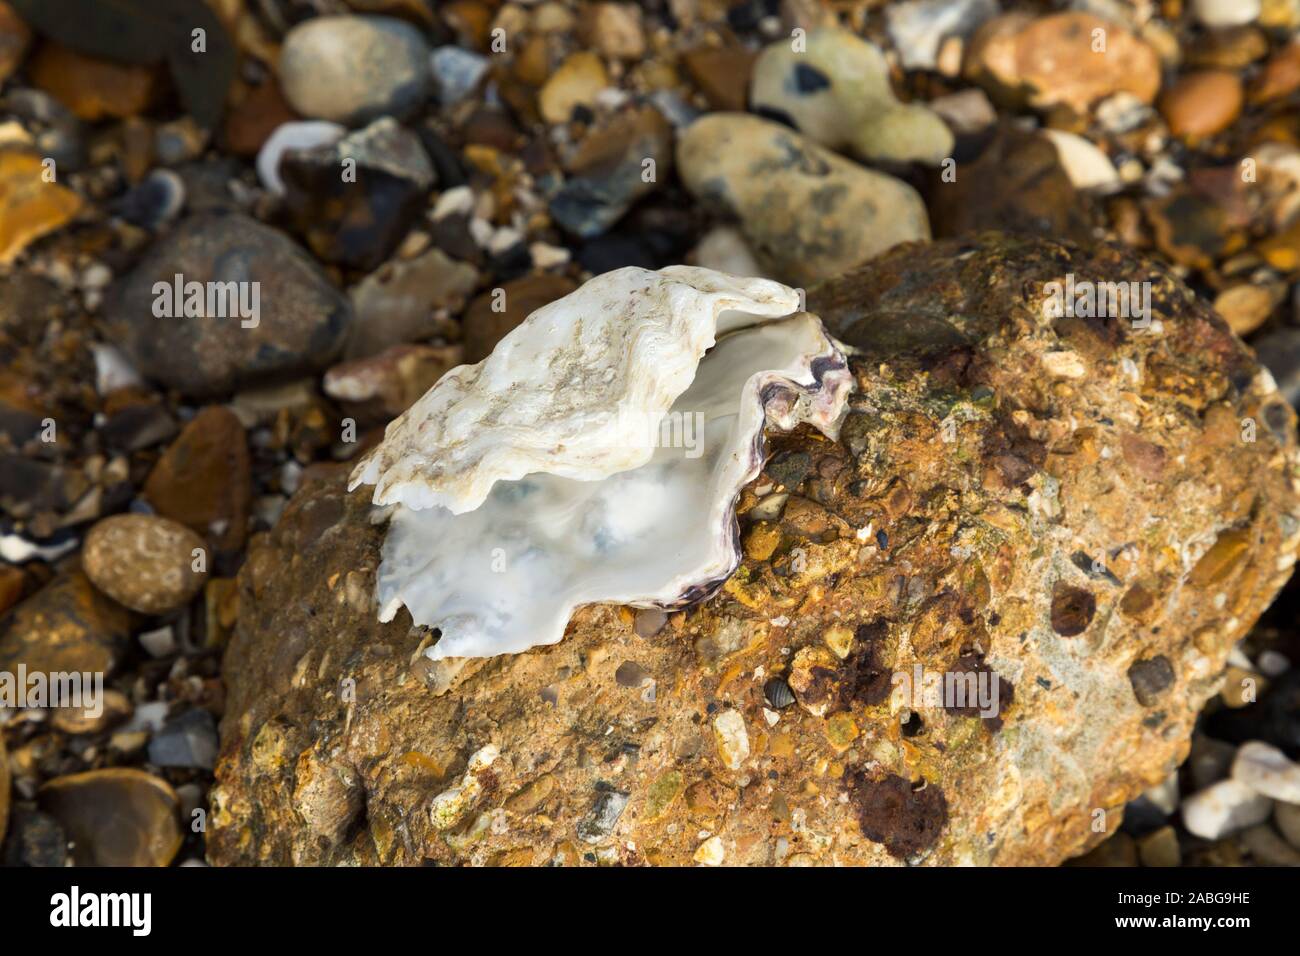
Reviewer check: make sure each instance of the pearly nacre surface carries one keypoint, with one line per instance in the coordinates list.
(625, 493)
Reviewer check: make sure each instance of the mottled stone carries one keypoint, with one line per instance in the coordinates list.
(145, 562)
(970, 540)
(65, 626)
(299, 326)
(575, 83)
(808, 213)
(402, 301)
(837, 92)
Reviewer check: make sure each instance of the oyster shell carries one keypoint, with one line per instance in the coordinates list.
(626, 503)
(547, 398)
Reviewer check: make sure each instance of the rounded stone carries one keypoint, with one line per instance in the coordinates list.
(115, 817)
(1034, 485)
(1071, 59)
(1202, 104)
(145, 562)
(837, 92)
(223, 302)
(354, 69)
(808, 213)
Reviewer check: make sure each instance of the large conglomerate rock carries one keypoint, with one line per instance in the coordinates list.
(1091, 512)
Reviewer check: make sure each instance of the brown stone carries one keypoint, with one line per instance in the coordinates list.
(1202, 104)
(14, 38)
(250, 122)
(30, 206)
(1016, 184)
(575, 83)
(1281, 75)
(92, 88)
(722, 74)
(484, 326)
(950, 321)
(1055, 60)
(1246, 307)
(65, 626)
(115, 817)
(204, 479)
(615, 30)
(145, 562)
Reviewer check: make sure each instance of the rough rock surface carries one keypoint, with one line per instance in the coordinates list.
(1094, 531)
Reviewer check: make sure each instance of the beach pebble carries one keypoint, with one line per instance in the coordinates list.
(1087, 166)
(838, 93)
(809, 214)
(118, 816)
(456, 73)
(1226, 13)
(575, 83)
(1057, 60)
(145, 562)
(352, 70)
(919, 27)
(1268, 771)
(1202, 104)
(277, 313)
(1223, 808)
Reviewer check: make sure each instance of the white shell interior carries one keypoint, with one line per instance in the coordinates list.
(643, 513)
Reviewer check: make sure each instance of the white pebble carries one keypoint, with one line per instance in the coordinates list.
(1226, 13)
(1224, 808)
(1267, 771)
(711, 852)
(1087, 166)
